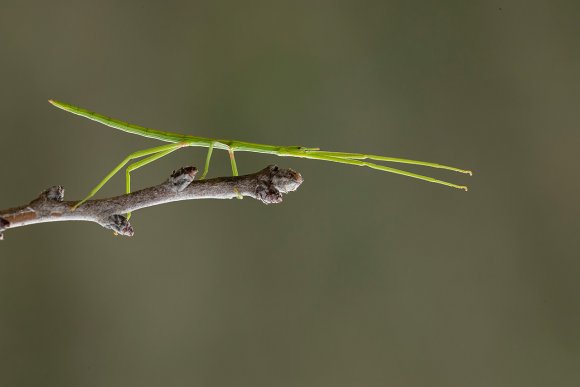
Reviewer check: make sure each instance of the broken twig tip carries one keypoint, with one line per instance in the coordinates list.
(273, 182)
(268, 194)
(120, 225)
(55, 193)
(191, 171)
(182, 177)
(285, 180)
(3, 225)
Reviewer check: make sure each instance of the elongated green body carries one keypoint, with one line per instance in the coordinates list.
(183, 140)
(169, 136)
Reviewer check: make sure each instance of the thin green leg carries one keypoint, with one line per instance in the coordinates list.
(233, 161)
(140, 164)
(234, 171)
(207, 159)
(361, 156)
(351, 161)
(134, 155)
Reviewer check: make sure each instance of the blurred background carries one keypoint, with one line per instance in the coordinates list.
(359, 278)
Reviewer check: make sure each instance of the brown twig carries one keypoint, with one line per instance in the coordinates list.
(267, 185)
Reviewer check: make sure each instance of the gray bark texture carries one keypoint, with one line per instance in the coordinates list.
(267, 185)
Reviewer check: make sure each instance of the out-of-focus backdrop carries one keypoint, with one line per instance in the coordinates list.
(360, 278)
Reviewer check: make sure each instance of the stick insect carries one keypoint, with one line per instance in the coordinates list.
(177, 141)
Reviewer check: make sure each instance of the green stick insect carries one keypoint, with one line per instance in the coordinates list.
(178, 141)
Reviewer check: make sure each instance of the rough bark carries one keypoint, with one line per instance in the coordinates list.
(267, 185)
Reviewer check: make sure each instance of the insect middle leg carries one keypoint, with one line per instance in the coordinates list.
(207, 160)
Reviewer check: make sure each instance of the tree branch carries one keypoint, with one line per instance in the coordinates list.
(267, 185)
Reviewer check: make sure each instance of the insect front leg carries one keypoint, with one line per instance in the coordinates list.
(142, 163)
(134, 155)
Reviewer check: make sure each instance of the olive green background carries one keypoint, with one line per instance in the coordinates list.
(359, 278)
